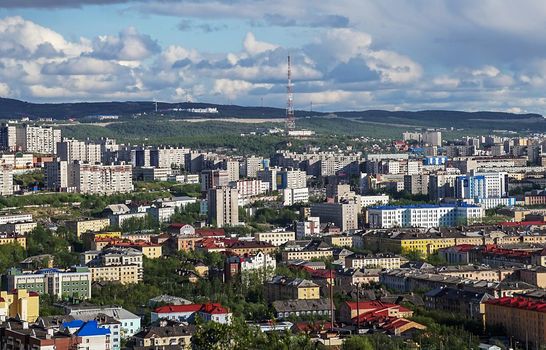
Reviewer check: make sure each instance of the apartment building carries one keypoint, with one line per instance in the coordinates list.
(291, 196)
(343, 215)
(85, 178)
(521, 318)
(424, 215)
(383, 261)
(275, 238)
(281, 288)
(223, 207)
(34, 139)
(10, 238)
(20, 303)
(214, 178)
(306, 250)
(122, 265)
(8, 138)
(6, 180)
(168, 157)
(251, 165)
(14, 218)
(88, 225)
(75, 282)
(71, 150)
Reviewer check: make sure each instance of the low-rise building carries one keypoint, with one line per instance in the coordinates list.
(383, 261)
(275, 238)
(20, 304)
(280, 288)
(130, 323)
(75, 282)
(88, 225)
(521, 318)
(122, 265)
(165, 333)
(306, 250)
(186, 313)
(302, 308)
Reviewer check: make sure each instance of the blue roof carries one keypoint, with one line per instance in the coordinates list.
(91, 328)
(49, 270)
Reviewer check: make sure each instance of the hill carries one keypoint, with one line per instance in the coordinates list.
(10, 108)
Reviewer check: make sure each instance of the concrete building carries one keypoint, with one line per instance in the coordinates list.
(8, 138)
(281, 288)
(122, 265)
(292, 196)
(214, 178)
(343, 215)
(275, 238)
(6, 180)
(34, 139)
(521, 318)
(75, 282)
(232, 168)
(223, 208)
(19, 303)
(87, 225)
(432, 138)
(372, 261)
(130, 323)
(416, 183)
(423, 215)
(168, 157)
(88, 178)
(308, 228)
(71, 150)
(187, 313)
(251, 165)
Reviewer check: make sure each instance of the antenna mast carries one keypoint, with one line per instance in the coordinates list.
(290, 119)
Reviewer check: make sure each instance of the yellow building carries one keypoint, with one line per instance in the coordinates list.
(339, 240)
(7, 239)
(521, 318)
(282, 288)
(88, 225)
(20, 303)
(124, 274)
(423, 243)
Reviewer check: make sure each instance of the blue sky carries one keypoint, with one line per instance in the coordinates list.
(347, 54)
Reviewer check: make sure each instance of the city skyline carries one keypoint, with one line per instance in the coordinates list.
(346, 54)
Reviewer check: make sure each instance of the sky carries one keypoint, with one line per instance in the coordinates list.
(346, 54)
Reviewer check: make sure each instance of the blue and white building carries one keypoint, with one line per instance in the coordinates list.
(470, 187)
(424, 215)
(435, 160)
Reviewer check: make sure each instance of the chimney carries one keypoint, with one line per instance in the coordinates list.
(25, 325)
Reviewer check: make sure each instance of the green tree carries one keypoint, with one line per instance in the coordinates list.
(357, 343)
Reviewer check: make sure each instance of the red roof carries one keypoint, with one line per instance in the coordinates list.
(519, 303)
(464, 247)
(209, 308)
(210, 232)
(177, 308)
(363, 305)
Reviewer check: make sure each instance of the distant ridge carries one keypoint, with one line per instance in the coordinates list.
(11, 108)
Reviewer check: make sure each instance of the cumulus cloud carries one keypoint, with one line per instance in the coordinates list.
(253, 46)
(128, 45)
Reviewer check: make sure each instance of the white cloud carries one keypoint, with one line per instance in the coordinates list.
(253, 46)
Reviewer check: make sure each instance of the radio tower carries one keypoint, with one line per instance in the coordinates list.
(290, 119)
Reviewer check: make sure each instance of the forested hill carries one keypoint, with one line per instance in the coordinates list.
(10, 108)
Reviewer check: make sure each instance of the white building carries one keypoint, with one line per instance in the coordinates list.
(495, 183)
(117, 220)
(343, 215)
(275, 238)
(37, 139)
(130, 323)
(6, 180)
(248, 188)
(71, 150)
(366, 201)
(260, 263)
(15, 218)
(161, 214)
(88, 178)
(432, 138)
(424, 215)
(292, 196)
(251, 165)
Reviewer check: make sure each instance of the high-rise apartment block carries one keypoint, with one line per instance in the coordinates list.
(6, 180)
(343, 215)
(29, 138)
(86, 178)
(83, 151)
(223, 208)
